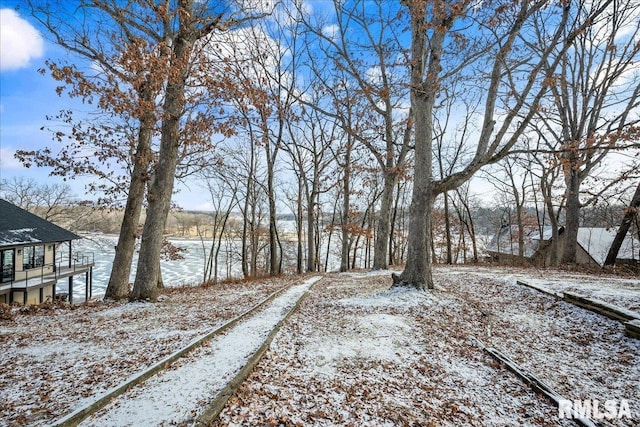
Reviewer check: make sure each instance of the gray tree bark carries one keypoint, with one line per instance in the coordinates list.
(145, 286)
(629, 214)
(346, 207)
(436, 18)
(381, 246)
(118, 286)
(572, 217)
(417, 272)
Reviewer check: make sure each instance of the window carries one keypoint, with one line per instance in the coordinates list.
(7, 265)
(27, 257)
(32, 256)
(38, 260)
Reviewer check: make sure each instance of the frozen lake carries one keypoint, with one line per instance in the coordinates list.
(188, 271)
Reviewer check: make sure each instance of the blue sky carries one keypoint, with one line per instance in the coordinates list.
(26, 96)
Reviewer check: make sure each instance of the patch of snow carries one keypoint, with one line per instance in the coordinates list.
(375, 337)
(401, 296)
(356, 353)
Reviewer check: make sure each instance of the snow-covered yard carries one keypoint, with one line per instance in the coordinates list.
(355, 353)
(54, 361)
(359, 354)
(621, 291)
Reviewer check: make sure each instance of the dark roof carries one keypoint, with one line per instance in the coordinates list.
(19, 227)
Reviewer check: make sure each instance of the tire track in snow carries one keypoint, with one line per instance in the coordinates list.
(178, 394)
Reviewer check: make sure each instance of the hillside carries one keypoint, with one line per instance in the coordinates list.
(353, 353)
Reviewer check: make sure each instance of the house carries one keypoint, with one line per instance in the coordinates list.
(504, 248)
(593, 246)
(34, 255)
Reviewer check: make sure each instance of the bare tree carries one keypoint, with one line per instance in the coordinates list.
(376, 83)
(490, 34)
(223, 190)
(547, 174)
(244, 168)
(53, 202)
(180, 30)
(463, 204)
(128, 80)
(630, 213)
(309, 153)
(264, 68)
(186, 29)
(512, 185)
(595, 89)
(131, 46)
(398, 233)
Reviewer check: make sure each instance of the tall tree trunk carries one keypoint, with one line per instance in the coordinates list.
(118, 287)
(520, 222)
(246, 271)
(300, 255)
(243, 244)
(254, 237)
(467, 219)
(160, 282)
(447, 226)
(572, 217)
(629, 214)
(381, 248)
(311, 224)
(547, 192)
(145, 286)
(273, 230)
(417, 272)
(346, 207)
(394, 218)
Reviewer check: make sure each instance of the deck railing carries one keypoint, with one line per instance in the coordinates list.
(50, 272)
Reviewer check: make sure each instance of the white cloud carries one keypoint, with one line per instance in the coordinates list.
(7, 161)
(331, 31)
(374, 75)
(19, 41)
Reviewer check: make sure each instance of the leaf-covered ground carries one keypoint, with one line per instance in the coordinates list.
(55, 360)
(356, 353)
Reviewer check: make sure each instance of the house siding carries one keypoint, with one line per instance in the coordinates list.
(31, 271)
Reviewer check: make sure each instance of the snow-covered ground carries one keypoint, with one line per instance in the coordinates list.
(57, 360)
(355, 353)
(360, 354)
(178, 395)
(621, 291)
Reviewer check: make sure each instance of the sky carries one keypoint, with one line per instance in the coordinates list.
(27, 97)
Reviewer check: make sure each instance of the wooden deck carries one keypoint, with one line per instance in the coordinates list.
(38, 278)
